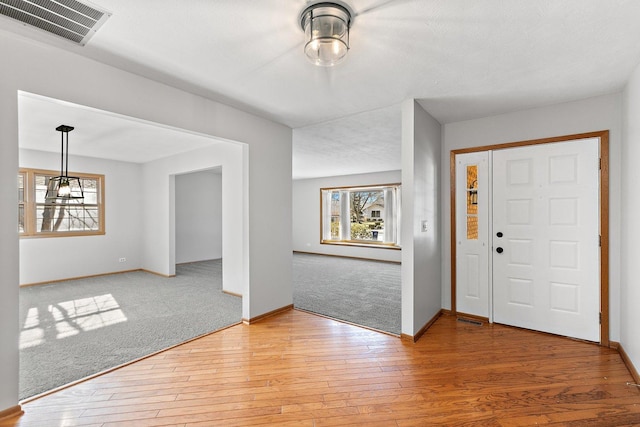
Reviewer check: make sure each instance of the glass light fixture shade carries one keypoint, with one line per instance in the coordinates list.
(326, 28)
(64, 188)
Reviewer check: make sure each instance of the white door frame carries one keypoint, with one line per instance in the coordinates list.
(604, 215)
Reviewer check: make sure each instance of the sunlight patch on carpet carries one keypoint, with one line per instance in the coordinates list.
(70, 318)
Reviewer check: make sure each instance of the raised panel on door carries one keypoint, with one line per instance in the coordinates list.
(545, 204)
(472, 249)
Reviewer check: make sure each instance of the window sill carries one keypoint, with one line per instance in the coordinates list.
(361, 244)
(62, 234)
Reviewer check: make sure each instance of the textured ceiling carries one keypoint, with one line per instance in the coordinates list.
(359, 143)
(98, 133)
(460, 59)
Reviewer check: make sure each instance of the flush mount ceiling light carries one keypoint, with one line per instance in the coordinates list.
(326, 29)
(64, 187)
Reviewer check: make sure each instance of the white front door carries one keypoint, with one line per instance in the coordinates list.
(472, 233)
(545, 238)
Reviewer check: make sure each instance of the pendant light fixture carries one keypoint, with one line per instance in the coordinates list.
(64, 187)
(326, 29)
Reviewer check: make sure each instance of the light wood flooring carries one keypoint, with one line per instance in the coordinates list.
(297, 369)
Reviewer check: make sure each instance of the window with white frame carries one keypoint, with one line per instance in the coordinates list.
(367, 215)
(42, 217)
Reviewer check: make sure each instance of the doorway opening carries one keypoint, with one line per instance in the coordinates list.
(198, 220)
(84, 319)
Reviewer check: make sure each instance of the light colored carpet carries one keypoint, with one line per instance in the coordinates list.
(76, 328)
(363, 292)
(73, 329)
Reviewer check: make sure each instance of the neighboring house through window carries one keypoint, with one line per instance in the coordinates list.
(40, 217)
(367, 215)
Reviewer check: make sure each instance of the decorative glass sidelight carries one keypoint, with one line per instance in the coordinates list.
(472, 202)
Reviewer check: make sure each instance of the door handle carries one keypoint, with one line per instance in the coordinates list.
(499, 250)
(499, 234)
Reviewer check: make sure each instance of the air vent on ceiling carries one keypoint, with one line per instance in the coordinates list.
(69, 19)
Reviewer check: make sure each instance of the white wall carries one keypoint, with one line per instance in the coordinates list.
(421, 258)
(593, 114)
(159, 227)
(39, 68)
(47, 259)
(198, 204)
(630, 236)
(306, 215)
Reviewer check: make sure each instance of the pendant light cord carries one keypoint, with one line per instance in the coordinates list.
(66, 165)
(62, 153)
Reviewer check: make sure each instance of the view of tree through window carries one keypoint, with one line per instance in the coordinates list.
(41, 216)
(362, 215)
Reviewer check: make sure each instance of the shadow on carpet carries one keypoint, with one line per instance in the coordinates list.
(363, 292)
(73, 329)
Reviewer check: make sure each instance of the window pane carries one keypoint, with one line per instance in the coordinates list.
(44, 217)
(83, 218)
(364, 225)
(335, 215)
(41, 187)
(20, 187)
(60, 218)
(90, 188)
(89, 185)
(21, 218)
(358, 215)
